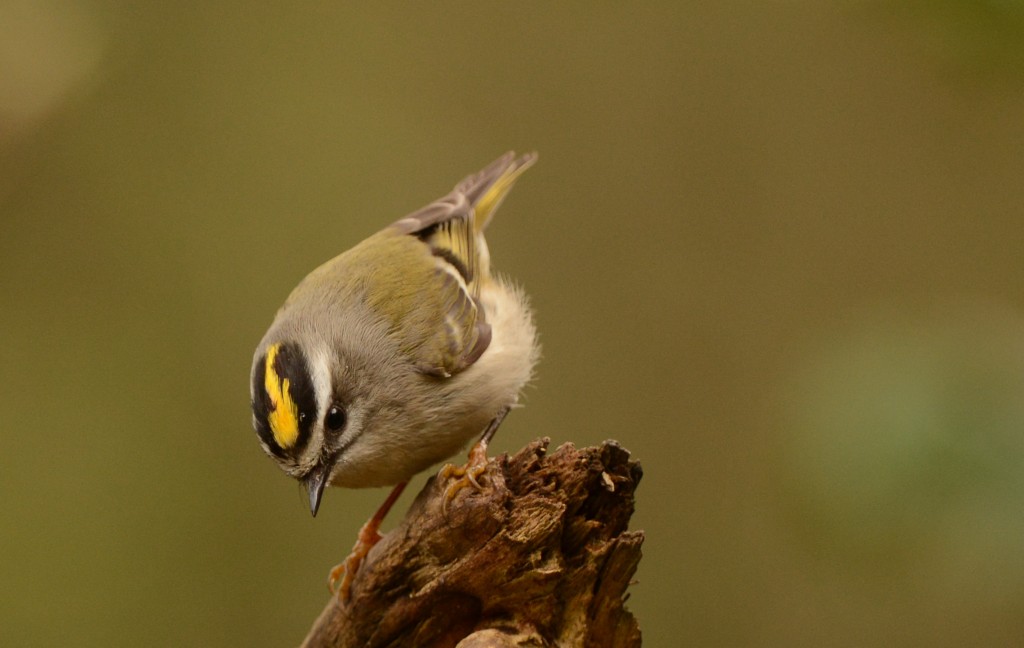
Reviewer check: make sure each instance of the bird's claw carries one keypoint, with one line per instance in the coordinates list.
(346, 570)
(468, 475)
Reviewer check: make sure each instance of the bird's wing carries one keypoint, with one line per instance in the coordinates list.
(443, 327)
(446, 330)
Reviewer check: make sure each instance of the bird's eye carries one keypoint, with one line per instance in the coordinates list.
(335, 419)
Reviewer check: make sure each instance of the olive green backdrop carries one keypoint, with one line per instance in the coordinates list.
(775, 249)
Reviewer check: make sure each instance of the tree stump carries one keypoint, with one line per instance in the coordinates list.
(540, 556)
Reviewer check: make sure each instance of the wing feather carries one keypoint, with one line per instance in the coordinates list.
(451, 231)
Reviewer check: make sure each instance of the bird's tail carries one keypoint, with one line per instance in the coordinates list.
(487, 188)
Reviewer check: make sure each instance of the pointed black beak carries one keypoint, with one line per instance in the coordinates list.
(315, 482)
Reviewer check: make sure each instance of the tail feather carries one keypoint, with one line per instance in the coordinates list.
(486, 189)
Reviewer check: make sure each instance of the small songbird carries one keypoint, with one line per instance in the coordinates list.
(390, 357)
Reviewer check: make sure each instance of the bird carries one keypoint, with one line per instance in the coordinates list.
(392, 356)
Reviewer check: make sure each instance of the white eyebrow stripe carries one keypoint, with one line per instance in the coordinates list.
(321, 375)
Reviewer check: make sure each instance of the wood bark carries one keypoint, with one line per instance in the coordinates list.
(539, 556)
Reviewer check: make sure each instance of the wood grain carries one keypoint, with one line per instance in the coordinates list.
(540, 556)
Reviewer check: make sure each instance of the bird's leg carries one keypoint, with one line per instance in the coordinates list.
(369, 535)
(476, 464)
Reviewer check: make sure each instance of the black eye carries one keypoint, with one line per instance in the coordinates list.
(335, 419)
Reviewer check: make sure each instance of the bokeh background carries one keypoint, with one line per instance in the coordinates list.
(775, 249)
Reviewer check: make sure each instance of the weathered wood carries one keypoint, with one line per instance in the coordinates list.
(541, 556)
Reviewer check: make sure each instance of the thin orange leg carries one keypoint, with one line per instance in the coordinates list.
(475, 466)
(369, 535)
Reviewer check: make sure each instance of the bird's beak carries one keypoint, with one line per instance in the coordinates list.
(315, 482)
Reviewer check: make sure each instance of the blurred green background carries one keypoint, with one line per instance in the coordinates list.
(775, 248)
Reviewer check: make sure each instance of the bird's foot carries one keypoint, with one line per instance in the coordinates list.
(369, 535)
(467, 475)
(346, 570)
(476, 465)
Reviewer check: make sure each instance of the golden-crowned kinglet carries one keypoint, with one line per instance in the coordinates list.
(392, 356)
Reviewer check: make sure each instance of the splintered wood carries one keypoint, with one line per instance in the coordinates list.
(540, 556)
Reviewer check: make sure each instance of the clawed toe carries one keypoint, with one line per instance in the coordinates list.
(369, 535)
(467, 475)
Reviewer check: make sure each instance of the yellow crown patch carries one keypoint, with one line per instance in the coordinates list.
(284, 419)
